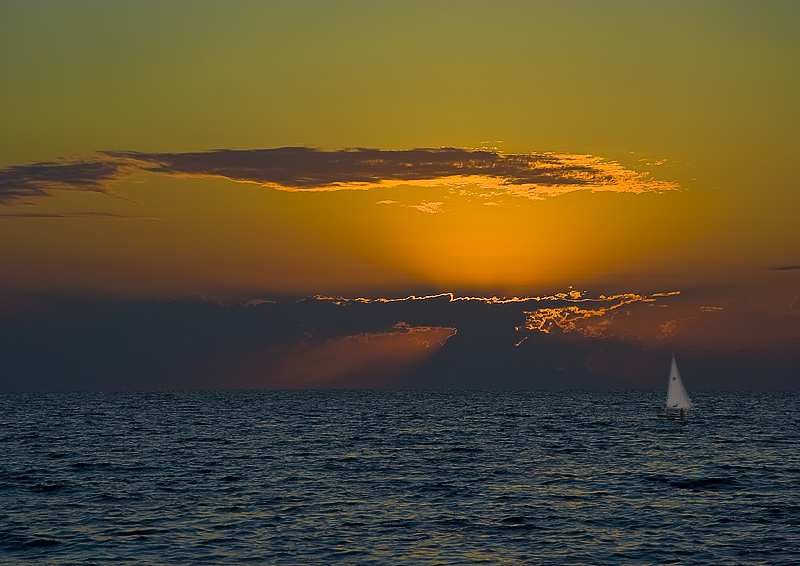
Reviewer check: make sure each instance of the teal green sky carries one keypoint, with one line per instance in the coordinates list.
(667, 78)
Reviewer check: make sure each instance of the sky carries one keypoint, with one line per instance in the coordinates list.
(245, 194)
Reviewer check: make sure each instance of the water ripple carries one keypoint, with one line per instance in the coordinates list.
(404, 477)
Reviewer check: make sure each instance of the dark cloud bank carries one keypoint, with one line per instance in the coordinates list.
(192, 343)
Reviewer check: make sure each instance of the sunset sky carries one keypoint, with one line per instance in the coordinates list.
(399, 194)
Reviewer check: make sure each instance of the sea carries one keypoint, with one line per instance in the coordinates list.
(398, 477)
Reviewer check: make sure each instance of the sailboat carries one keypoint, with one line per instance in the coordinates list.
(677, 398)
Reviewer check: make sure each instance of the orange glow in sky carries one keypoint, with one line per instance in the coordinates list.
(623, 149)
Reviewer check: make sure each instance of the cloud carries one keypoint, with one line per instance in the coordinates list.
(575, 318)
(531, 175)
(785, 268)
(299, 168)
(74, 215)
(40, 179)
(427, 207)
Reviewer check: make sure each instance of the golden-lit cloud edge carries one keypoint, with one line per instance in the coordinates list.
(571, 295)
(475, 172)
(575, 318)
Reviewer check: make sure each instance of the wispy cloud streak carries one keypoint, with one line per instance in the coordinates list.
(533, 175)
(74, 215)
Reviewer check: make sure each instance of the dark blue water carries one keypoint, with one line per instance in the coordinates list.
(398, 477)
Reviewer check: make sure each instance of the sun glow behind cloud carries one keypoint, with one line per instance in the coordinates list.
(363, 360)
(416, 215)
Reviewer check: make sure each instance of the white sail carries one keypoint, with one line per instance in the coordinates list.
(677, 398)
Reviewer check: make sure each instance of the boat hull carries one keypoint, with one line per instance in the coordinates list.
(674, 416)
